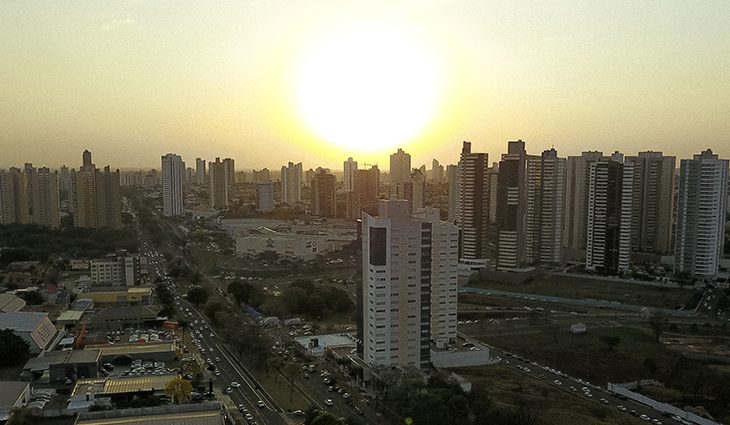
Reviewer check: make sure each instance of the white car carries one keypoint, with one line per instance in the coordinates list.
(328, 402)
(261, 404)
(235, 384)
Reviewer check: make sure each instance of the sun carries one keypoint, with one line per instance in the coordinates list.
(368, 89)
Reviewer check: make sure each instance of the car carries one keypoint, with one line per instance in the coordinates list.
(241, 407)
(346, 395)
(603, 400)
(228, 390)
(261, 404)
(235, 384)
(656, 422)
(556, 382)
(299, 412)
(644, 417)
(328, 402)
(621, 408)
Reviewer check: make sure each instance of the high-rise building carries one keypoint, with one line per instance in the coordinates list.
(265, 197)
(230, 166)
(108, 198)
(366, 191)
(492, 185)
(172, 185)
(416, 190)
(606, 212)
(348, 177)
(472, 205)
(116, 269)
(291, 183)
(400, 169)
(64, 182)
(512, 207)
(96, 198)
(437, 172)
(398, 295)
(261, 176)
(653, 202)
(544, 208)
(200, 171)
(45, 202)
(13, 197)
(218, 178)
(576, 199)
(323, 194)
(701, 214)
(453, 181)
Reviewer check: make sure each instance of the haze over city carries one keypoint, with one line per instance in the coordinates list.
(251, 80)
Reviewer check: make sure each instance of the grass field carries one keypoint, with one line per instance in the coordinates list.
(554, 406)
(278, 388)
(572, 287)
(586, 355)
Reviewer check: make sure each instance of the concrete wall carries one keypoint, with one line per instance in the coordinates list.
(662, 407)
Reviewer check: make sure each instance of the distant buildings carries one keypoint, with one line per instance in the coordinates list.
(544, 210)
(576, 199)
(365, 193)
(291, 183)
(604, 217)
(172, 185)
(13, 197)
(29, 196)
(200, 174)
(409, 285)
(120, 269)
(701, 214)
(400, 171)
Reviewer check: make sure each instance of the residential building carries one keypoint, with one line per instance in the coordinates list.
(13, 197)
(544, 209)
(265, 197)
(117, 269)
(701, 215)
(45, 203)
(349, 168)
(96, 199)
(453, 182)
(230, 166)
(261, 176)
(366, 191)
(437, 172)
(108, 198)
(200, 174)
(397, 295)
(604, 217)
(512, 207)
(218, 179)
(291, 183)
(492, 182)
(472, 205)
(323, 194)
(576, 199)
(400, 169)
(172, 185)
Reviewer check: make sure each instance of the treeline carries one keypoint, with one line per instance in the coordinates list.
(302, 297)
(32, 242)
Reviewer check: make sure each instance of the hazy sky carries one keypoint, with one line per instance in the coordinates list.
(134, 79)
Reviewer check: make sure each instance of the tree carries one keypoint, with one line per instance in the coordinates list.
(651, 366)
(198, 295)
(20, 416)
(32, 297)
(657, 324)
(178, 390)
(15, 350)
(327, 418)
(610, 341)
(292, 371)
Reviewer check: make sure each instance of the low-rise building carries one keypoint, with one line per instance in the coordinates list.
(35, 328)
(14, 394)
(114, 318)
(117, 269)
(57, 366)
(112, 295)
(10, 303)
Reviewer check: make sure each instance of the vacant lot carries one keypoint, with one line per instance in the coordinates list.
(554, 406)
(572, 287)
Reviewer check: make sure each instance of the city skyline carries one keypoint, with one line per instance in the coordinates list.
(121, 80)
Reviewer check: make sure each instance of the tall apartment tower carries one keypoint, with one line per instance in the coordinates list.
(545, 208)
(400, 169)
(45, 202)
(437, 172)
(265, 197)
(444, 276)
(576, 199)
(291, 183)
(13, 197)
(452, 180)
(108, 197)
(491, 192)
(606, 213)
(230, 166)
(653, 202)
(701, 209)
(349, 168)
(200, 171)
(472, 205)
(366, 190)
(172, 185)
(398, 285)
(511, 206)
(414, 190)
(323, 194)
(218, 179)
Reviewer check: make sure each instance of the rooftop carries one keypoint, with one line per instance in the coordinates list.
(11, 392)
(168, 415)
(69, 316)
(131, 349)
(123, 385)
(21, 321)
(10, 303)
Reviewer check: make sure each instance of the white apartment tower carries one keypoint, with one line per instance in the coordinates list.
(544, 208)
(349, 167)
(399, 280)
(173, 169)
(265, 197)
(576, 199)
(291, 183)
(701, 209)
